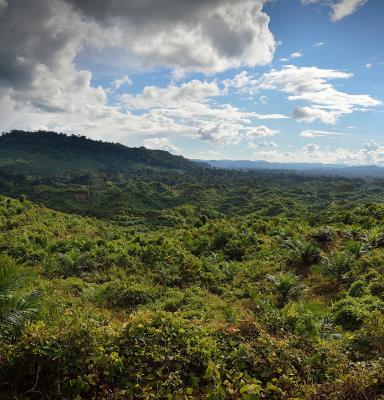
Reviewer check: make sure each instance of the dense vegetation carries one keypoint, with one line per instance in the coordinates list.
(46, 153)
(190, 284)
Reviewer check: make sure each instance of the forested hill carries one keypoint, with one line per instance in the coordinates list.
(49, 152)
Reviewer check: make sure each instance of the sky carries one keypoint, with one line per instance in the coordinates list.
(275, 80)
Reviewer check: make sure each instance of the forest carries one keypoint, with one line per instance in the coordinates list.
(128, 273)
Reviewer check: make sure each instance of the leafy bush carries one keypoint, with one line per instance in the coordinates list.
(120, 294)
(357, 289)
(325, 234)
(15, 305)
(287, 287)
(350, 312)
(172, 265)
(337, 264)
(303, 253)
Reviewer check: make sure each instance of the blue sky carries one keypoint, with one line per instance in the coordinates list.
(279, 80)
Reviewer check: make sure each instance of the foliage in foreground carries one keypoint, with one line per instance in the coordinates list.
(246, 307)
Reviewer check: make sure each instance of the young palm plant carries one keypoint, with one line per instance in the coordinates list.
(287, 287)
(15, 305)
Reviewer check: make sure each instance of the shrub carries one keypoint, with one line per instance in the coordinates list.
(302, 319)
(349, 313)
(357, 289)
(302, 253)
(369, 340)
(120, 294)
(287, 287)
(324, 234)
(15, 306)
(172, 264)
(337, 264)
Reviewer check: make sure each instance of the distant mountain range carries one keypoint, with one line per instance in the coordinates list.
(304, 168)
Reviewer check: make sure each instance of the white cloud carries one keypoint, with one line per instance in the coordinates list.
(220, 132)
(260, 131)
(344, 8)
(319, 44)
(311, 85)
(125, 80)
(194, 92)
(311, 114)
(206, 36)
(262, 144)
(310, 148)
(160, 144)
(319, 133)
(296, 54)
(368, 66)
(41, 84)
(189, 109)
(370, 154)
(339, 8)
(292, 56)
(293, 79)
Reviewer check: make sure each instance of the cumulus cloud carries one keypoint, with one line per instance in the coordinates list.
(37, 68)
(296, 54)
(189, 108)
(160, 144)
(42, 86)
(339, 8)
(292, 56)
(172, 96)
(263, 144)
(311, 85)
(208, 36)
(311, 114)
(125, 80)
(345, 8)
(38, 55)
(370, 154)
(220, 132)
(260, 131)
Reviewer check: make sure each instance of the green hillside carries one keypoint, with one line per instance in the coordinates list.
(113, 183)
(187, 284)
(45, 153)
(237, 308)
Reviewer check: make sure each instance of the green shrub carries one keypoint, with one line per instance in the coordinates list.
(302, 253)
(287, 287)
(121, 294)
(357, 289)
(337, 264)
(302, 319)
(349, 313)
(172, 265)
(325, 234)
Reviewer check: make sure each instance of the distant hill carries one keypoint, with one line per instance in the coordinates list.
(45, 152)
(306, 168)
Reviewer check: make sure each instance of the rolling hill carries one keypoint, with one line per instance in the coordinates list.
(47, 153)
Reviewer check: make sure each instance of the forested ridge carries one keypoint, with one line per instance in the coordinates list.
(45, 153)
(140, 275)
